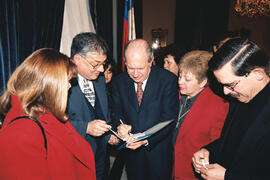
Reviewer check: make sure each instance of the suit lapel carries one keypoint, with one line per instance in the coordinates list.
(131, 94)
(77, 90)
(80, 95)
(150, 88)
(65, 134)
(100, 91)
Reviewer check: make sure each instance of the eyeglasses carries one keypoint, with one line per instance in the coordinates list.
(97, 65)
(233, 86)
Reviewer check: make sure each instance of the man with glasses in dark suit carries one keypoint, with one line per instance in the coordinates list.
(87, 104)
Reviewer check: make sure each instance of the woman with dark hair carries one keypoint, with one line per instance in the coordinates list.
(172, 55)
(109, 70)
(36, 140)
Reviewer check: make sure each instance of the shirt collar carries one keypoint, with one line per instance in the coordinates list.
(143, 85)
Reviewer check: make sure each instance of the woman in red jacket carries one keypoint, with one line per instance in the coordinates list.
(38, 89)
(201, 112)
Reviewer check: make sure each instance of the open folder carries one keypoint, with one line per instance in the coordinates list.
(145, 134)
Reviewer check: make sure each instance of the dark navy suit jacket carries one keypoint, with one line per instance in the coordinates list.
(159, 103)
(80, 113)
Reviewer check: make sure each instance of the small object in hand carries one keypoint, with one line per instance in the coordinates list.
(129, 133)
(204, 164)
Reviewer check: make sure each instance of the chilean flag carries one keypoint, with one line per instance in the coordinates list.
(128, 27)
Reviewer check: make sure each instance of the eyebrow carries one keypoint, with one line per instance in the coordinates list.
(97, 61)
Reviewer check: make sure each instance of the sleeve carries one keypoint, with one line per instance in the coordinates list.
(221, 111)
(253, 163)
(77, 122)
(76, 115)
(169, 110)
(116, 111)
(236, 175)
(22, 152)
(233, 175)
(254, 166)
(213, 147)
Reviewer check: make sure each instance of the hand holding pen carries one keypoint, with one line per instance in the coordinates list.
(124, 130)
(97, 127)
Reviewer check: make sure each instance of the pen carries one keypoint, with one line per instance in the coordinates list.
(115, 133)
(121, 121)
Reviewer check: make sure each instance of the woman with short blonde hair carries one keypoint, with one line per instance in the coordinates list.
(201, 112)
(196, 62)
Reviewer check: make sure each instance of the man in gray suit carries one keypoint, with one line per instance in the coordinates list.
(87, 103)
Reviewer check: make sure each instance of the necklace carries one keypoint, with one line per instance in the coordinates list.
(180, 115)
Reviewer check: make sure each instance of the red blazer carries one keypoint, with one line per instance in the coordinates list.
(202, 125)
(23, 154)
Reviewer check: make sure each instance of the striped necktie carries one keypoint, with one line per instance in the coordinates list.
(89, 93)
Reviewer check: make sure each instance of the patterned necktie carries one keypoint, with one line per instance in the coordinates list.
(139, 92)
(89, 93)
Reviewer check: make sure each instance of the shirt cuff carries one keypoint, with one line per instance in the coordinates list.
(146, 144)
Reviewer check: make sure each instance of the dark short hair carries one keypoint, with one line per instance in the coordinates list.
(175, 50)
(86, 42)
(244, 55)
(148, 50)
(241, 33)
(111, 62)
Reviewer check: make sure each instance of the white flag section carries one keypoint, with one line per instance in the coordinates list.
(77, 19)
(131, 22)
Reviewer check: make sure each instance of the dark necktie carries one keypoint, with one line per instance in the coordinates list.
(139, 92)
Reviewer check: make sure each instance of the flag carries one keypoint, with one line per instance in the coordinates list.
(128, 27)
(77, 19)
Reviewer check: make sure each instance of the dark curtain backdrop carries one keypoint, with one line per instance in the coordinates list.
(104, 26)
(199, 23)
(27, 25)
